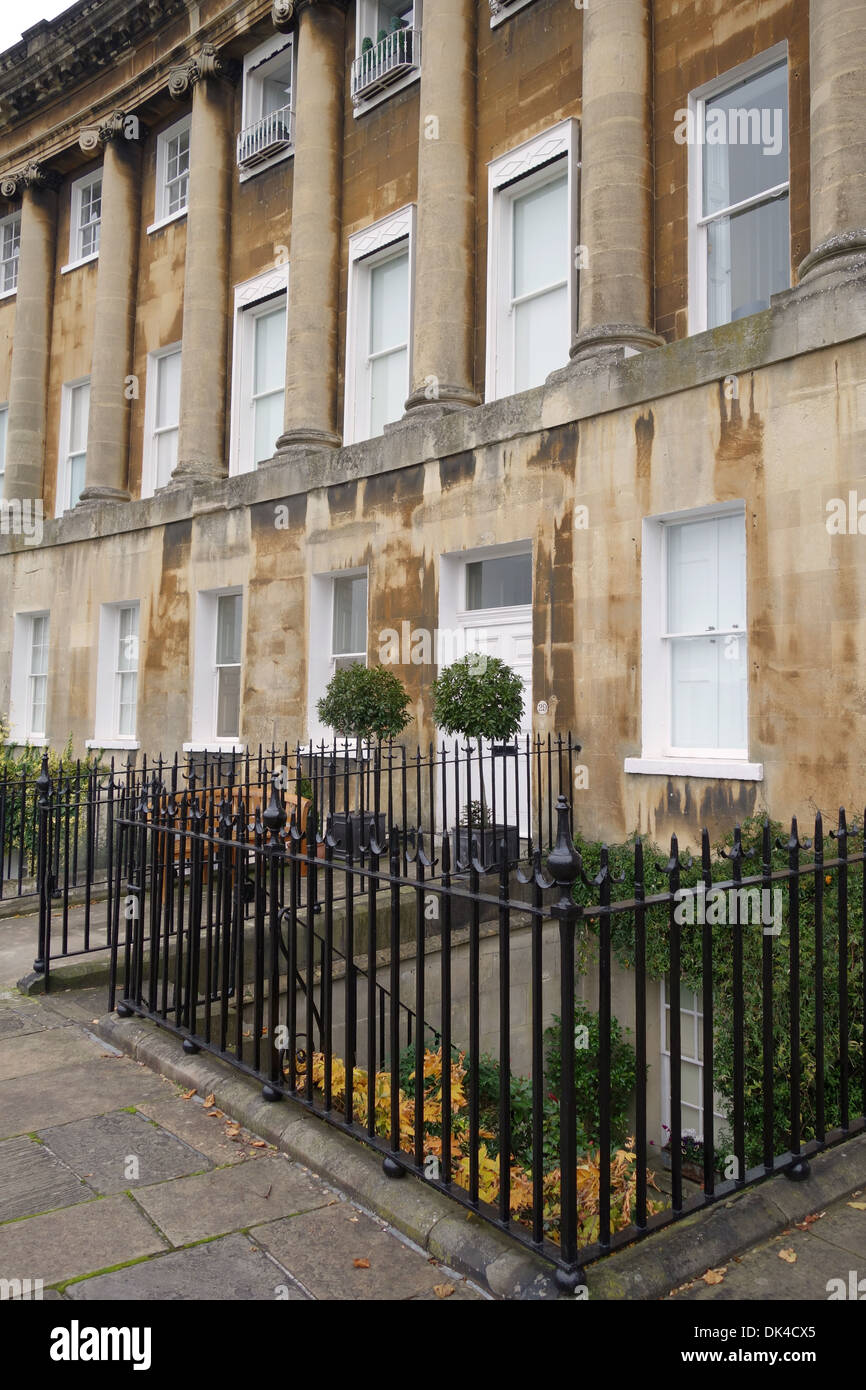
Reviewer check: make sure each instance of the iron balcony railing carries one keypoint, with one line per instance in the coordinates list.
(386, 62)
(264, 138)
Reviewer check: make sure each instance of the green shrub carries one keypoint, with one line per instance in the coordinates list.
(365, 702)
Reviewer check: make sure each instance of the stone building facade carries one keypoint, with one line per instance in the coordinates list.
(531, 324)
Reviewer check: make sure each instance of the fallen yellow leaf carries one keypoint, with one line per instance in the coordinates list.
(443, 1290)
(715, 1276)
(858, 1206)
(188, 1095)
(789, 1256)
(361, 1264)
(259, 1144)
(209, 1099)
(808, 1220)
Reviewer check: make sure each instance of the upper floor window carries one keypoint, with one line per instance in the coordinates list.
(85, 217)
(379, 325)
(161, 418)
(694, 651)
(740, 247)
(172, 170)
(259, 373)
(10, 242)
(266, 122)
(74, 412)
(531, 285)
(387, 47)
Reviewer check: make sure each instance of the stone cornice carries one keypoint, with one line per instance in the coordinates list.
(54, 54)
(204, 66)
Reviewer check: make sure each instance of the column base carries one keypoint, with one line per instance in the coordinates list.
(844, 255)
(192, 475)
(629, 338)
(97, 493)
(308, 439)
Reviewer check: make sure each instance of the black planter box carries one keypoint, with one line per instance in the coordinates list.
(372, 825)
(488, 842)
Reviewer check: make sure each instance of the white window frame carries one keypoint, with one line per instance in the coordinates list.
(691, 1004)
(698, 224)
(160, 204)
(12, 219)
(20, 691)
(251, 101)
(4, 441)
(508, 177)
(253, 297)
(500, 10)
(204, 683)
(149, 455)
(322, 663)
(76, 257)
(657, 756)
(64, 472)
(372, 246)
(363, 104)
(107, 704)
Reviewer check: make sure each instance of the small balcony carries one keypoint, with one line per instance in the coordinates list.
(265, 138)
(385, 62)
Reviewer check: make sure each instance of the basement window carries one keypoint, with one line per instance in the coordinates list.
(117, 677)
(10, 242)
(28, 694)
(217, 671)
(338, 607)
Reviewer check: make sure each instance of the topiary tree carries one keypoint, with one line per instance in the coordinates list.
(365, 702)
(480, 698)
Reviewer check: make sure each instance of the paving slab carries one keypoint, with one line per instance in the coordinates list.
(234, 1198)
(39, 1052)
(78, 1240)
(33, 1180)
(188, 1120)
(100, 1149)
(321, 1249)
(231, 1268)
(60, 1094)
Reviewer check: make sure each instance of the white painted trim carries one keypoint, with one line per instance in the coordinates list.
(518, 164)
(61, 498)
(11, 217)
(369, 103)
(204, 684)
(164, 221)
(723, 768)
(504, 11)
(256, 291)
(7, 294)
(148, 453)
(374, 241)
(108, 745)
(697, 227)
(75, 265)
(75, 191)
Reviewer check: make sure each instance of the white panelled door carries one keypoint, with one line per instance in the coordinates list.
(505, 778)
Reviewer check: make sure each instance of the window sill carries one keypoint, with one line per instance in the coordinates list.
(74, 265)
(228, 745)
(20, 740)
(164, 221)
(113, 744)
(728, 769)
(8, 294)
(366, 104)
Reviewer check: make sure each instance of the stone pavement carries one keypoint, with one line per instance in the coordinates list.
(798, 1263)
(115, 1184)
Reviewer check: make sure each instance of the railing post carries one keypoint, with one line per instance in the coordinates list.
(565, 865)
(44, 877)
(274, 820)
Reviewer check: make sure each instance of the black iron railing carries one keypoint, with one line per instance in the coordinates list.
(374, 983)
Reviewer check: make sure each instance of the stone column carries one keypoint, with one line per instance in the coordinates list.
(837, 61)
(314, 268)
(114, 316)
(204, 337)
(28, 386)
(444, 318)
(616, 188)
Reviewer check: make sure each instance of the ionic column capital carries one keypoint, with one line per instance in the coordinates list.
(34, 176)
(284, 13)
(207, 64)
(120, 125)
